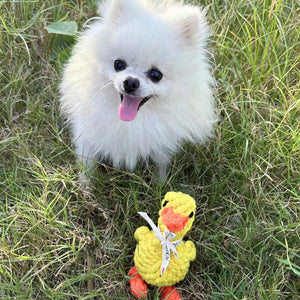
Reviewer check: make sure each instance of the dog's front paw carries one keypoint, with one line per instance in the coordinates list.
(84, 182)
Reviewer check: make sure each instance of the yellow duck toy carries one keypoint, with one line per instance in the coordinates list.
(161, 258)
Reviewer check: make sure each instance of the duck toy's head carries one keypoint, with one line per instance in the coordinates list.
(177, 213)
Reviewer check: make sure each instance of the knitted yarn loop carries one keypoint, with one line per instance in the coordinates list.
(165, 239)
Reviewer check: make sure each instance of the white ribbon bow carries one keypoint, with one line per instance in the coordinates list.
(167, 245)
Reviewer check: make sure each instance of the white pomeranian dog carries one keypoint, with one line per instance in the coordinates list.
(138, 83)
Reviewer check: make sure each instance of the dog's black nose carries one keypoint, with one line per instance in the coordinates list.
(131, 85)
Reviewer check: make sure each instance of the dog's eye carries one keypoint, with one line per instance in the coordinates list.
(191, 214)
(155, 75)
(165, 203)
(119, 65)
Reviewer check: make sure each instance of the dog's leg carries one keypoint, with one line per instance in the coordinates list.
(163, 168)
(87, 167)
(163, 161)
(86, 159)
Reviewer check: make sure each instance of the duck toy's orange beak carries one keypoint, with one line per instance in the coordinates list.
(174, 222)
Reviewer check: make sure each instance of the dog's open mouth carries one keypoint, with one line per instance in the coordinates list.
(130, 105)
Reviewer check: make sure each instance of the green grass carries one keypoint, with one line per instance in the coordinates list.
(57, 242)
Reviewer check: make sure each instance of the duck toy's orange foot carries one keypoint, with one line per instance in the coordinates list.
(138, 286)
(161, 257)
(169, 293)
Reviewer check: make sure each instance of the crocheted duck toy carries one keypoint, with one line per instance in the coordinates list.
(161, 257)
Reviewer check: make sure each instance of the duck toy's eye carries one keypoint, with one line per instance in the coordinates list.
(191, 214)
(165, 203)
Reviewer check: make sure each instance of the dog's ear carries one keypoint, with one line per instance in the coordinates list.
(116, 10)
(192, 24)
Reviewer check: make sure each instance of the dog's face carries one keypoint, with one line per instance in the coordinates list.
(143, 55)
(140, 66)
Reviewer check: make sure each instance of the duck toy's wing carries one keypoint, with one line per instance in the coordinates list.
(140, 233)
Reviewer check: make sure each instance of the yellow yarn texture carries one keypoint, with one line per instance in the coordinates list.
(177, 213)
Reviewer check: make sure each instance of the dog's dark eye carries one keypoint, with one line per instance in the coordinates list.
(165, 203)
(155, 75)
(191, 214)
(119, 65)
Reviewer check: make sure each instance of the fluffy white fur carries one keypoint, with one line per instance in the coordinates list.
(167, 34)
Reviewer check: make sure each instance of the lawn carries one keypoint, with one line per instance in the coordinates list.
(58, 242)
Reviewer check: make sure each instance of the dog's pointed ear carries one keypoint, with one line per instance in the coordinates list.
(192, 24)
(115, 10)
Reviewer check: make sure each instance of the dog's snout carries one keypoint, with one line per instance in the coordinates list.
(131, 84)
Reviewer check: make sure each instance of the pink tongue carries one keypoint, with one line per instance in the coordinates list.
(129, 107)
